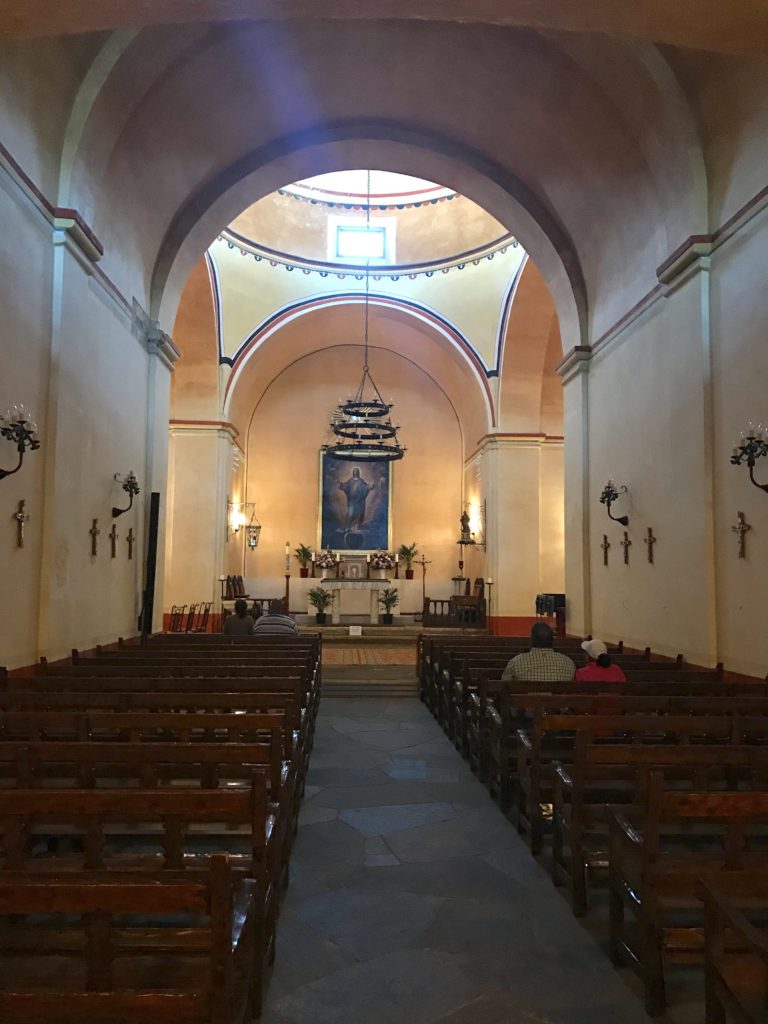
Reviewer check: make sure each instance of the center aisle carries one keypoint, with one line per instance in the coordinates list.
(413, 901)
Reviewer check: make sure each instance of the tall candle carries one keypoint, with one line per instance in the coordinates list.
(287, 557)
(397, 559)
(368, 558)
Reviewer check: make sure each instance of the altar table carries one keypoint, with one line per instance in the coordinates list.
(336, 587)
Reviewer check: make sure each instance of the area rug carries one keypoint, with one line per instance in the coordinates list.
(369, 655)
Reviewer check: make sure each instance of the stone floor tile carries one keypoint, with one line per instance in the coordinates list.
(378, 821)
(418, 770)
(377, 795)
(313, 813)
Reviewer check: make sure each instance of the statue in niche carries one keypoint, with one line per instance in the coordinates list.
(356, 491)
(465, 532)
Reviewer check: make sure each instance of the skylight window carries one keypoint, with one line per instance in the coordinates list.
(355, 241)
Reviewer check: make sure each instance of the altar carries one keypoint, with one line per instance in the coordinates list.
(337, 586)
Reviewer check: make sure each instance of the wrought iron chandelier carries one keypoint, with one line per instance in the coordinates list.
(361, 428)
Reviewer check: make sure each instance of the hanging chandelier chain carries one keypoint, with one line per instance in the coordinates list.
(362, 428)
(367, 272)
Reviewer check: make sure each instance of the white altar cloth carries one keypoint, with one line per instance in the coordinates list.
(336, 587)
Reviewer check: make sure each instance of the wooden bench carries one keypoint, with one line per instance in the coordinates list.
(136, 951)
(735, 949)
(655, 862)
(552, 739)
(163, 834)
(603, 774)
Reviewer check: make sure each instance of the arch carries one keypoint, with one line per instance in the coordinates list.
(441, 326)
(321, 325)
(386, 146)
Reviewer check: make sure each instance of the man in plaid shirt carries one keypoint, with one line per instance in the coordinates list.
(541, 664)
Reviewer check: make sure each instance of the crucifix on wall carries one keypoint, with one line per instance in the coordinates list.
(742, 530)
(130, 539)
(22, 518)
(626, 544)
(606, 546)
(113, 540)
(650, 540)
(94, 533)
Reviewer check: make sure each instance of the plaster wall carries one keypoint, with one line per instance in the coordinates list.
(24, 347)
(739, 314)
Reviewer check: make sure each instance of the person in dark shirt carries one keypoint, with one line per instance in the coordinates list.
(239, 624)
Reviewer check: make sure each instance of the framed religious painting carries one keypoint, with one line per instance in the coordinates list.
(355, 505)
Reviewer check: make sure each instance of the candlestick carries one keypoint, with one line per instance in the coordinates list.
(287, 556)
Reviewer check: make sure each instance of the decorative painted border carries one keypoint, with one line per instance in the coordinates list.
(352, 205)
(392, 272)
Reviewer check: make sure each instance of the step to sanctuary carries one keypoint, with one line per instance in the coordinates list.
(369, 681)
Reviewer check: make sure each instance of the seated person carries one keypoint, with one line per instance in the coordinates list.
(599, 667)
(275, 621)
(542, 664)
(239, 624)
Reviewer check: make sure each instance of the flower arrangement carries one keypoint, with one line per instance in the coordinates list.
(382, 560)
(325, 560)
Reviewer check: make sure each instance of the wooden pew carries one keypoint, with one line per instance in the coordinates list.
(603, 774)
(138, 834)
(491, 693)
(655, 862)
(552, 739)
(136, 965)
(502, 725)
(735, 949)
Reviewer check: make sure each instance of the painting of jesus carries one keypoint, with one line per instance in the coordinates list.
(354, 504)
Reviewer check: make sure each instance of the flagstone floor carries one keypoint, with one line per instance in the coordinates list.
(413, 901)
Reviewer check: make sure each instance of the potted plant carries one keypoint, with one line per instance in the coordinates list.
(408, 552)
(303, 557)
(388, 599)
(320, 599)
(325, 561)
(382, 562)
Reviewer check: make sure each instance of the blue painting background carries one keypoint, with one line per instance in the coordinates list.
(374, 532)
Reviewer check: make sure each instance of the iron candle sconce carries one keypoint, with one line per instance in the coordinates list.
(752, 446)
(16, 427)
(131, 488)
(610, 494)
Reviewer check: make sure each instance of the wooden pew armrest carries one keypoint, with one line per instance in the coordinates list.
(731, 917)
(493, 716)
(622, 829)
(243, 910)
(562, 779)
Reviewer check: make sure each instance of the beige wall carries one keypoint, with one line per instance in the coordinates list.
(660, 406)
(79, 359)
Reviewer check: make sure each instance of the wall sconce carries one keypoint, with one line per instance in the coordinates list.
(17, 427)
(131, 488)
(610, 494)
(242, 515)
(751, 447)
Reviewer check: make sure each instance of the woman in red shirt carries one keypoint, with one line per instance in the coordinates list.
(599, 667)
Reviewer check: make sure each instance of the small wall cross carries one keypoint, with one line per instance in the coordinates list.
(94, 532)
(130, 538)
(22, 519)
(626, 544)
(742, 530)
(650, 540)
(606, 545)
(113, 540)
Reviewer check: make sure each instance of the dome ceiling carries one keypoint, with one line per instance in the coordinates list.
(326, 220)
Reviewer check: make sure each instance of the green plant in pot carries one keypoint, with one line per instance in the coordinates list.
(388, 599)
(320, 599)
(303, 557)
(408, 552)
